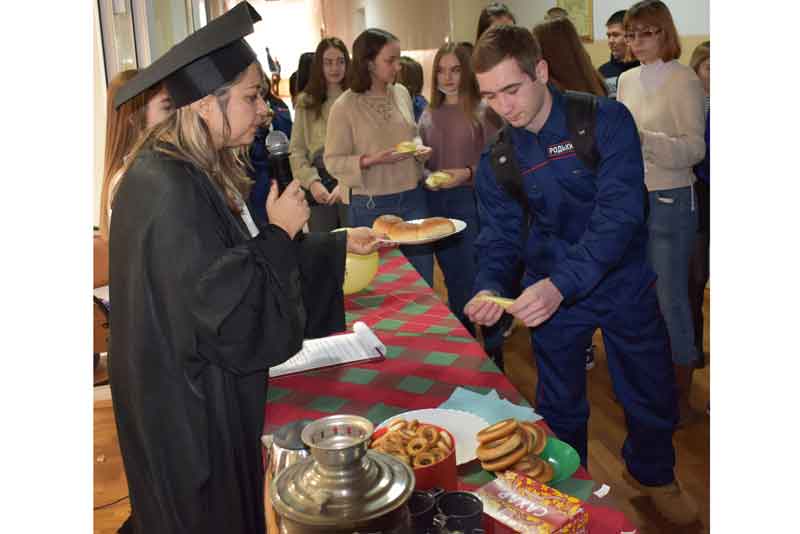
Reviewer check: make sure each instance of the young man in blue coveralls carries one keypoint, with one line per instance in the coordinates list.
(585, 263)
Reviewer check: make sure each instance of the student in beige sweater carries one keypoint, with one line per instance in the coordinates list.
(666, 99)
(365, 125)
(325, 85)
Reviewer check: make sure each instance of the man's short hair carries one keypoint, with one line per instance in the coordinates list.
(616, 18)
(503, 41)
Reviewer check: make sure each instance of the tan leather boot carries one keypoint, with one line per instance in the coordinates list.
(670, 500)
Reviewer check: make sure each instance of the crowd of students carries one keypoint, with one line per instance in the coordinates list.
(213, 279)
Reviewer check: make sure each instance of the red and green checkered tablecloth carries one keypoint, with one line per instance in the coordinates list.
(429, 354)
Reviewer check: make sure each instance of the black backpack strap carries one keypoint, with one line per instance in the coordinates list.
(508, 175)
(581, 111)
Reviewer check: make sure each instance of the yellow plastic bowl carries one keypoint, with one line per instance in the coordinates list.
(359, 270)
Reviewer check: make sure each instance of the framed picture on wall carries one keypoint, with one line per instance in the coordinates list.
(580, 13)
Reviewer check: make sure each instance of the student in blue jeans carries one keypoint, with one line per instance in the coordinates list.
(365, 126)
(453, 125)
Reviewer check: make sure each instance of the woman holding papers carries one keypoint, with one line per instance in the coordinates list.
(205, 301)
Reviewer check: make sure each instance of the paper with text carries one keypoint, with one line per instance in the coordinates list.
(361, 345)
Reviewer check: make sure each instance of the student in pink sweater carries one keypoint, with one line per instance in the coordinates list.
(453, 126)
(666, 99)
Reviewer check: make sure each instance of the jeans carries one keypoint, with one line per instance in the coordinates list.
(456, 254)
(409, 205)
(673, 226)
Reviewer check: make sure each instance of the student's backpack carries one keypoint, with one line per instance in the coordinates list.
(581, 111)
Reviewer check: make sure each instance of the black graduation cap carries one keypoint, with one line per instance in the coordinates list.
(206, 60)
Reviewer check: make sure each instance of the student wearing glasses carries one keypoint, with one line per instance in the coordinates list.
(667, 101)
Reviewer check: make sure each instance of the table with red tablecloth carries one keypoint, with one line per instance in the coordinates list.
(429, 355)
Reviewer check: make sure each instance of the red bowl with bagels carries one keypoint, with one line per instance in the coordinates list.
(429, 449)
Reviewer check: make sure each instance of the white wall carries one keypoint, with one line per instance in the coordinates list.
(99, 116)
(691, 16)
(288, 28)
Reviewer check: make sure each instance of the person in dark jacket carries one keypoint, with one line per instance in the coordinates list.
(205, 301)
(585, 262)
(278, 118)
(616, 65)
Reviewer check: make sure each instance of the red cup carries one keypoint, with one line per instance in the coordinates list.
(443, 474)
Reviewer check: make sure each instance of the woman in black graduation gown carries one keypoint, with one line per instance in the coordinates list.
(204, 301)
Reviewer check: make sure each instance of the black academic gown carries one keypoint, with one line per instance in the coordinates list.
(199, 313)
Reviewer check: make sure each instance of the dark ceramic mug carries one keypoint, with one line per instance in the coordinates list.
(422, 505)
(459, 511)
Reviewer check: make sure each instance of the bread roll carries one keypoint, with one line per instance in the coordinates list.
(435, 227)
(438, 178)
(404, 231)
(383, 223)
(406, 146)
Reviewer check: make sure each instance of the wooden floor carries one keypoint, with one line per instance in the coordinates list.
(606, 434)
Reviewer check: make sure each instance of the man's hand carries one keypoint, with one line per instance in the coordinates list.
(537, 303)
(483, 312)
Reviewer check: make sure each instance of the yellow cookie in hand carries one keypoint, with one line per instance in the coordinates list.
(438, 178)
(501, 301)
(406, 147)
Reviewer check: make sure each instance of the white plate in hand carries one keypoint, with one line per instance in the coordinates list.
(458, 223)
(463, 426)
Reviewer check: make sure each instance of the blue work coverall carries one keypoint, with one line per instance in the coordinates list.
(588, 235)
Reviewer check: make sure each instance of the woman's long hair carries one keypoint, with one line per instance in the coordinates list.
(185, 136)
(569, 63)
(366, 48)
(124, 126)
(468, 91)
(316, 91)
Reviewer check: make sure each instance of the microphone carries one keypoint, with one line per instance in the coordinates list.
(278, 160)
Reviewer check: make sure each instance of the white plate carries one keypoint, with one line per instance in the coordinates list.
(462, 425)
(458, 223)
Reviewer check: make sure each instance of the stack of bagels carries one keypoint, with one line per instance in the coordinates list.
(515, 445)
(399, 230)
(416, 444)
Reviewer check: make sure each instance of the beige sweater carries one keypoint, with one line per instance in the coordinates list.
(671, 123)
(359, 125)
(308, 136)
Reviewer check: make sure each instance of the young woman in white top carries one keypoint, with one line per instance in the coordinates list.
(666, 99)
(326, 82)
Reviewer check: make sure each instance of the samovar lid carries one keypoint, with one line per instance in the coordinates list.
(343, 482)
